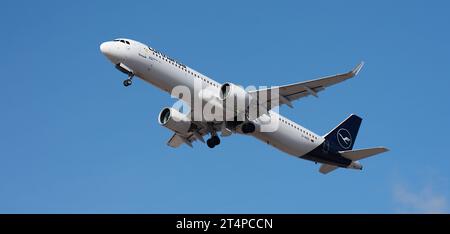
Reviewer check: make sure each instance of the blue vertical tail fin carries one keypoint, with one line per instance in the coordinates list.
(343, 136)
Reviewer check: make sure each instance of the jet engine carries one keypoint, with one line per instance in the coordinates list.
(235, 98)
(248, 128)
(174, 120)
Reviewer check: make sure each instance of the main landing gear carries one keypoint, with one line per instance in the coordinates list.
(213, 141)
(128, 81)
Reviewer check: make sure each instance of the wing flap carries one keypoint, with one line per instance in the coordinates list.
(177, 140)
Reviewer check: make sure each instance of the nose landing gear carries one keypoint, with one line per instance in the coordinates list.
(128, 81)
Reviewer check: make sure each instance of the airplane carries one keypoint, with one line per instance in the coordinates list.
(333, 150)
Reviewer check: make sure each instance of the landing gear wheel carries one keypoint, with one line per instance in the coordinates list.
(210, 143)
(127, 82)
(216, 140)
(213, 142)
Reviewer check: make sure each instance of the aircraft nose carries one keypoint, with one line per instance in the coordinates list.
(110, 51)
(106, 48)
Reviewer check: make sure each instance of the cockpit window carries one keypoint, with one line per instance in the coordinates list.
(123, 41)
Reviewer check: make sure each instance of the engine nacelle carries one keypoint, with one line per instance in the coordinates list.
(230, 92)
(174, 120)
(248, 128)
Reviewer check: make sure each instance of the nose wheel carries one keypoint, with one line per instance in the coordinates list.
(213, 142)
(128, 81)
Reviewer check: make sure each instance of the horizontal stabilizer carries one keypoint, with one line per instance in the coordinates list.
(355, 155)
(326, 168)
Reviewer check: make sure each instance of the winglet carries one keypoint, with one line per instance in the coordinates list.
(357, 69)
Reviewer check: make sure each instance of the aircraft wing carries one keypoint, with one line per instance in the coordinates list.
(202, 129)
(178, 139)
(292, 92)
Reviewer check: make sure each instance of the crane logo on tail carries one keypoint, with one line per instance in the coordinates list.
(344, 138)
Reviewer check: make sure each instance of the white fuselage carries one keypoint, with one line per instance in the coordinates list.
(165, 73)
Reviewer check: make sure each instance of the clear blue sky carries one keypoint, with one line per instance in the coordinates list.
(74, 140)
